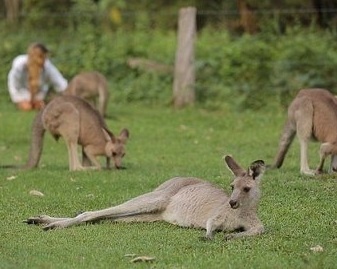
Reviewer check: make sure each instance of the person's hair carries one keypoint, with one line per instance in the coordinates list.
(39, 46)
(37, 54)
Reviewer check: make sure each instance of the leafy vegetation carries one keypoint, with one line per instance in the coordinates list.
(248, 72)
(234, 70)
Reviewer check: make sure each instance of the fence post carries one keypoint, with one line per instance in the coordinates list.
(12, 10)
(184, 72)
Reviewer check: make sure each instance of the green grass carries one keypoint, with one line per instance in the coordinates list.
(299, 212)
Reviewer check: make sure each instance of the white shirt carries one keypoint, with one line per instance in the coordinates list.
(18, 80)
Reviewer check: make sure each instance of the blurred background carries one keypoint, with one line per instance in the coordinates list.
(248, 54)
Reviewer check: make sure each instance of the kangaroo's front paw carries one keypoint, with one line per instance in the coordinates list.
(43, 219)
(228, 237)
(333, 170)
(205, 238)
(319, 172)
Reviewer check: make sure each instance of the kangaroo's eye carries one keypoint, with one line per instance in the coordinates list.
(246, 189)
(114, 154)
(232, 187)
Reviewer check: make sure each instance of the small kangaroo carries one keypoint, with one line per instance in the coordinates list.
(77, 122)
(91, 86)
(311, 115)
(187, 202)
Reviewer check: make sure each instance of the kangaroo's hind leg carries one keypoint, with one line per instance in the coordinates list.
(63, 119)
(69, 129)
(146, 207)
(103, 96)
(304, 126)
(43, 220)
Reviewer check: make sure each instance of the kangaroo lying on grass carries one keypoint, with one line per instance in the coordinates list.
(312, 114)
(91, 86)
(187, 202)
(78, 123)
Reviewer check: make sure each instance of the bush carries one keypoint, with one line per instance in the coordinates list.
(247, 72)
(241, 66)
(304, 60)
(252, 72)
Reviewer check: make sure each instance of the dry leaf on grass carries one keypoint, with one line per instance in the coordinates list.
(11, 177)
(130, 255)
(139, 258)
(17, 158)
(143, 259)
(36, 193)
(90, 196)
(183, 127)
(317, 248)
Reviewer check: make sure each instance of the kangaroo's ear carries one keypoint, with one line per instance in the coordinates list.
(256, 169)
(108, 136)
(124, 135)
(236, 169)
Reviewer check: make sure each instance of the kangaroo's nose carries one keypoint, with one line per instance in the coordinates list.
(120, 167)
(234, 204)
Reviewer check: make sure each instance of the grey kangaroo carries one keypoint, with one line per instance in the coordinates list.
(91, 86)
(187, 202)
(75, 120)
(311, 115)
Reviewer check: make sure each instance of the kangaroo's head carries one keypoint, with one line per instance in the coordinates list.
(245, 187)
(115, 146)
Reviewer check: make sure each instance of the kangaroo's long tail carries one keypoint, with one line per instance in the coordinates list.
(36, 144)
(289, 132)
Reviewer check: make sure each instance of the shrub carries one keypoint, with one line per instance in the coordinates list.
(247, 72)
(304, 60)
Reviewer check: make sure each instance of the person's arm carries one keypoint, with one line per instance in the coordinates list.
(55, 77)
(17, 80)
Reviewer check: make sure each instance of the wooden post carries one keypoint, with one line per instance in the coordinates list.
(184, 73)
(12, 10)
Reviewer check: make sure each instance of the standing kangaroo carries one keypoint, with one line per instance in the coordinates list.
(311, 115)
(77, 122)
(91, 86)
(187, 202)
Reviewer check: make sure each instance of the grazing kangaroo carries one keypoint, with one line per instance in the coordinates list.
(187, 202)
(311, 115)
(91, 86)
(77, 122)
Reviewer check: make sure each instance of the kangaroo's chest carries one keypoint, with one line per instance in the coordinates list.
(228, 219)
(193, 206)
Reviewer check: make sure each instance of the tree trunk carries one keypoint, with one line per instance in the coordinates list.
(325, 18)
(12, 10)
(184, 73)
(247, 17)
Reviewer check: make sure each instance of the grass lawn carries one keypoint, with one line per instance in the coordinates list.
(299, 212)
